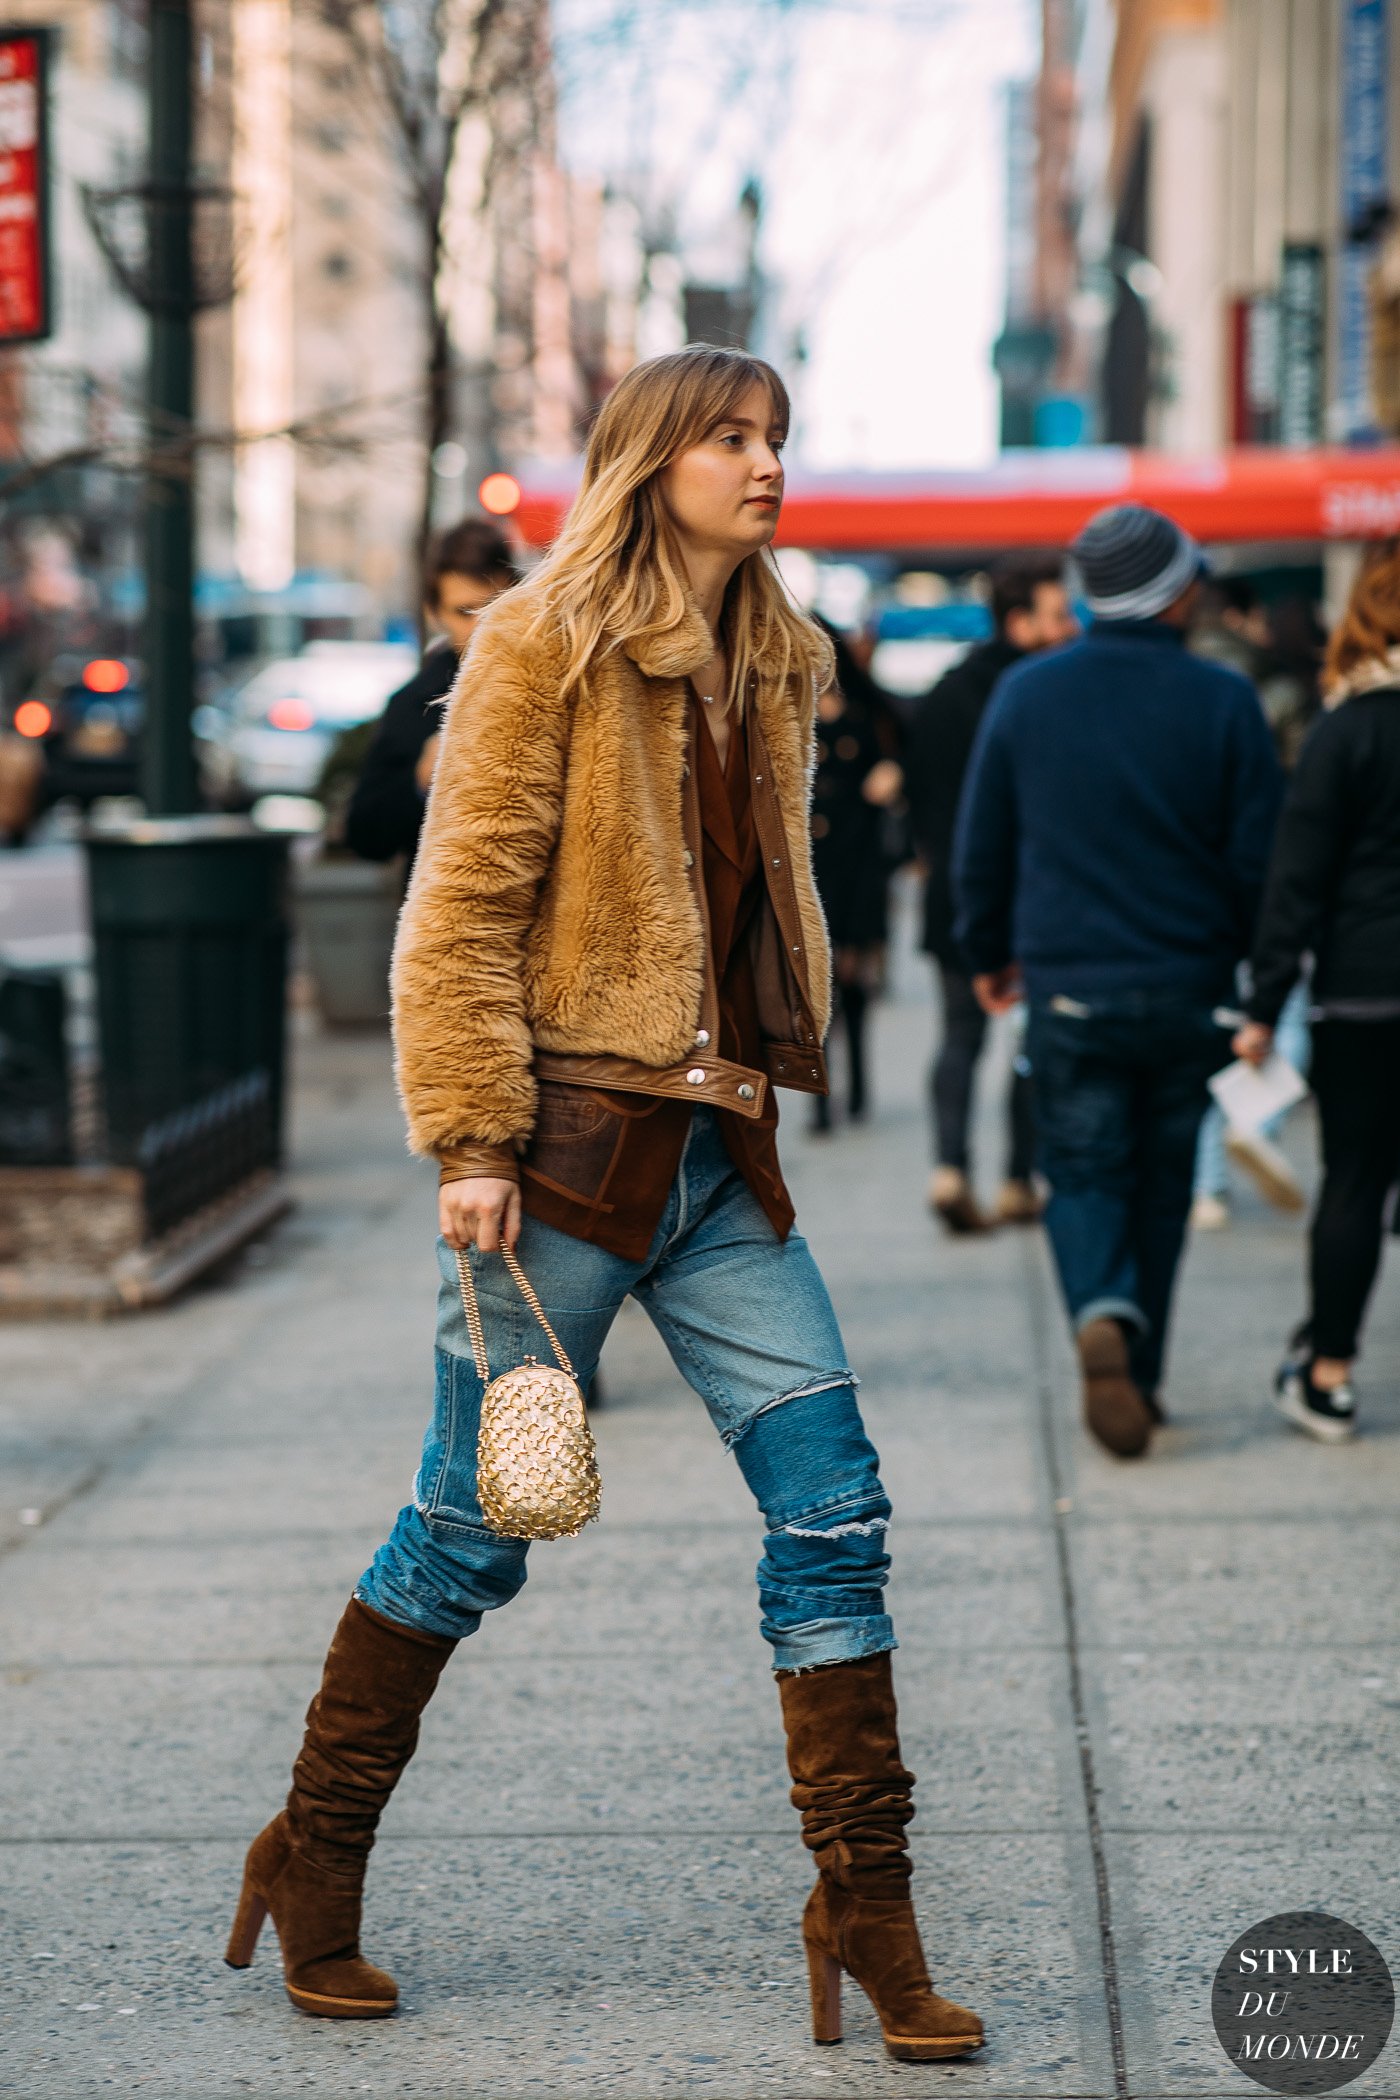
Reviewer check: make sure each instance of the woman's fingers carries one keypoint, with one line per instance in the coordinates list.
(477, 1212)
(454, 1224)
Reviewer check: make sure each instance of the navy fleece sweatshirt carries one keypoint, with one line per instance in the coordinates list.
(1116, 821)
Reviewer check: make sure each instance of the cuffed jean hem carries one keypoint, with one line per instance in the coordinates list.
(394, 1606)
(1112, 1309)
(820, 1641)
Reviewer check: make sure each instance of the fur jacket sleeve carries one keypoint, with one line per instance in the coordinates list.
(462, 1041)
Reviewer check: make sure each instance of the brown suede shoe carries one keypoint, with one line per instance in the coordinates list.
(308, 1867)
(855, 1797)
(950, 1195)
(1114, 1409)
(1020, 1203)
(877, 1942)
(317, 1915)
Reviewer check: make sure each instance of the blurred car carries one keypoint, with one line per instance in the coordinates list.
(283, 722)
(85, 718)
(916, 644)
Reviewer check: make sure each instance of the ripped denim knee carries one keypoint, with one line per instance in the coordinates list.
(821, 1580)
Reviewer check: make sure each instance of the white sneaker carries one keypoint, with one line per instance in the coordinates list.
(1209, 1214)
(1329, 1414)
(1267, 1169)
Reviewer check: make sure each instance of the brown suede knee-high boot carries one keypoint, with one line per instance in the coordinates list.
(855, 1798)
(308, 1866)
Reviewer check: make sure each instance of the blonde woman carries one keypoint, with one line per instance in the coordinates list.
(610, 954)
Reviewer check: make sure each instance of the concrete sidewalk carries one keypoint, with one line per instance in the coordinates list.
(1148, 1705)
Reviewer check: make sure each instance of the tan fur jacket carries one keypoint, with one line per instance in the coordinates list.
(549, 907)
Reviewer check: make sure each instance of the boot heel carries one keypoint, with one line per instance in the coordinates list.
(247, 1924)
(824, 1974)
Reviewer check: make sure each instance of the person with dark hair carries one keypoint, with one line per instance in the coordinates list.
(1334, 894)
(470, 566)
(1110, 858)
(1279, 649)
(1031, 611)
(853, 788)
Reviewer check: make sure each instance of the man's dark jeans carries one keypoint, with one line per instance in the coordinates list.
(1120, 1089)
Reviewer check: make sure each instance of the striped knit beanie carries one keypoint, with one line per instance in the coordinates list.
(1134, 562)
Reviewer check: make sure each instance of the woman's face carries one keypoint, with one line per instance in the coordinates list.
(724, 493)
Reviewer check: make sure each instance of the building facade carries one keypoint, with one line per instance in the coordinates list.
(1237, 271)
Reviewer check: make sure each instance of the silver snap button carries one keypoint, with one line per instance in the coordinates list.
(777, 863)
(685, 772)
(758, 779)
(688, 858)
(702, 1038)
(795, 949)
(746, 1092)
(695, 1076)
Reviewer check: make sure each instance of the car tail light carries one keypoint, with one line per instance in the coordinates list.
(33, 718)
(106, 674)
(291, 714)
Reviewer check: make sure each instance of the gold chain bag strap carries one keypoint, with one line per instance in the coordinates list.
(536, 1468)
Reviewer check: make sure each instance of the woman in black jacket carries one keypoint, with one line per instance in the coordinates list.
(1334, 894)
(857, 780)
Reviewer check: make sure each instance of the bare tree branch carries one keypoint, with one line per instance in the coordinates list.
(428, 66)
(174, 453)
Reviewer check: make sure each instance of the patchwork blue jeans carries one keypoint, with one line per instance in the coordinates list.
(749, 1325)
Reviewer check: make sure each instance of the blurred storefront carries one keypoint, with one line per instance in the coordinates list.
(1226, 170)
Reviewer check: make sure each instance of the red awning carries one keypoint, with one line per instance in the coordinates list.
(1041, 499)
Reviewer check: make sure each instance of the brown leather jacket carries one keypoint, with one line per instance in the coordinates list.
(555, 925)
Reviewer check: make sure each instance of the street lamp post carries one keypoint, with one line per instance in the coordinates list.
(189, 910)
(168, 771)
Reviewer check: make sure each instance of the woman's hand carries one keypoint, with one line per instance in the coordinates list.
(999, 990)
(884, 783)
(427, 762)
(1253, 1043)
(480, 1212)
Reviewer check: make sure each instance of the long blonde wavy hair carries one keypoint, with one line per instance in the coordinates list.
(615, 575)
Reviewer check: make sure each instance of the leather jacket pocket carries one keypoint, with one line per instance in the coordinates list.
(575, 1141)
(567, 1114)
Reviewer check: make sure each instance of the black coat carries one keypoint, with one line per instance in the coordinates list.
(1333, 887)
(386, 808)
(939, 746)
(850, 862)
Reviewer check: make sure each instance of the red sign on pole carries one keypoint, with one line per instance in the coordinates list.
(25, 304)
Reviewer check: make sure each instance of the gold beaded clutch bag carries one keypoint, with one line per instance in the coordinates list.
(536, 1468)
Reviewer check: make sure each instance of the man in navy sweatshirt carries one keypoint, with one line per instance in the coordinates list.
(1110, 855)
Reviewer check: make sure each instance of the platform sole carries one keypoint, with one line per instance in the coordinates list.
(318, 2007)
(915, 2049)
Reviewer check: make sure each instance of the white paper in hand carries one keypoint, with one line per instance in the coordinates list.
(1252, 1095)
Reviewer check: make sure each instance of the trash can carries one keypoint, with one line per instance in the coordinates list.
(35, 1119)
(346, 913)
(190, 935)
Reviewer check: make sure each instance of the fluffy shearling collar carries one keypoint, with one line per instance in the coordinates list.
(677, 651)
(1372, 674)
